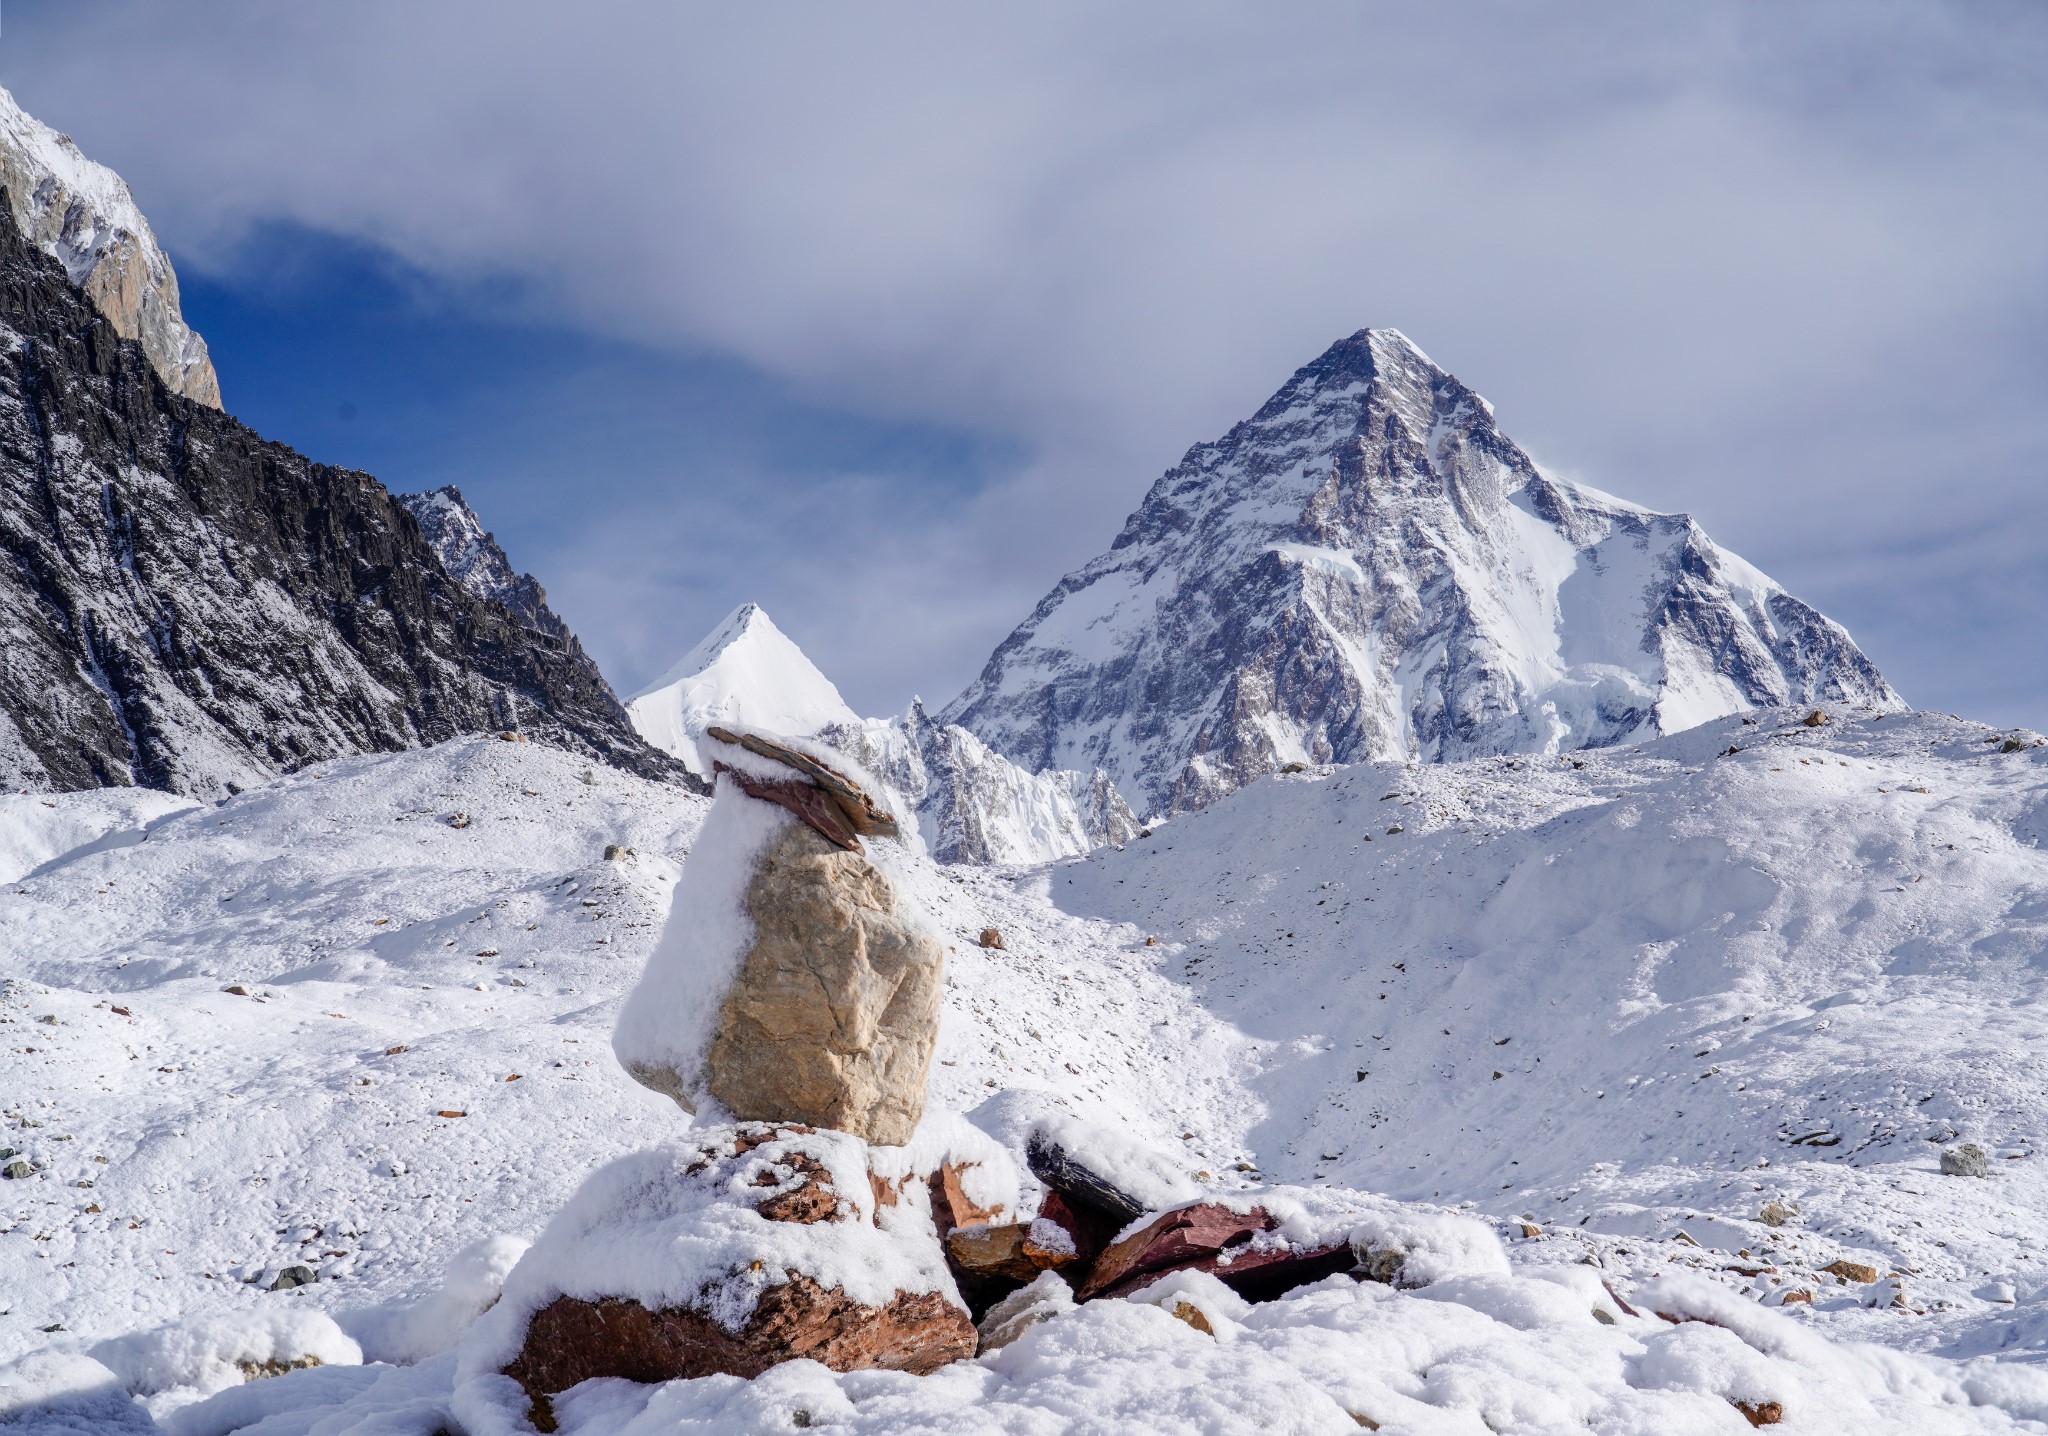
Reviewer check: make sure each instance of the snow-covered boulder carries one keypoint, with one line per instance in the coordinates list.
(793, 982)
(748, 1247)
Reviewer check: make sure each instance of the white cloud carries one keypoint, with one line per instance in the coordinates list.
(1777, 265)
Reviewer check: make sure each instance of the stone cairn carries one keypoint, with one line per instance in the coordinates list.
(817, 1053)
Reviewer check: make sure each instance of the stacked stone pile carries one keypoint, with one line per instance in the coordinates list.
(817, 1209)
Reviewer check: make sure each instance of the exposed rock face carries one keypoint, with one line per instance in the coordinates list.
(834, 1012)
(82, 215)
(1369, 569)
(191, 608)
(471, 554)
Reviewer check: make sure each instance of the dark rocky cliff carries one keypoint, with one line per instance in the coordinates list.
(188, 606)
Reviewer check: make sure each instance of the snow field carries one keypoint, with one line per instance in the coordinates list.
(1632, 994)
(1614, 921)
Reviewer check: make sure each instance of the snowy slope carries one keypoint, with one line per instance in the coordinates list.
(1618, 930)
(1650, 989)
(1369, 569)
(745, 671)
(82, 215)
(236, 1127)
(1596, 934)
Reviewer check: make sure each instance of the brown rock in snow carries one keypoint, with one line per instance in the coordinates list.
(572, 1340)
(951, 1206)
(988, 1252)
(992, 937)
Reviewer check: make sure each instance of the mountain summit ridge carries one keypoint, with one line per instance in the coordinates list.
(1367, 568)
(83, 216)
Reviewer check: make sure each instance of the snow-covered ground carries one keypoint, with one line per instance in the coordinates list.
(1649, 990)
(1707, 982)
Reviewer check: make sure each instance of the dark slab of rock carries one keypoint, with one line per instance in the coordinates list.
(1090, 1231)
(1084, 1188)
(861, 812)
(811, 803)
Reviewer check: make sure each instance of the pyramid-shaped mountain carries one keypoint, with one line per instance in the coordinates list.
(1369, 569)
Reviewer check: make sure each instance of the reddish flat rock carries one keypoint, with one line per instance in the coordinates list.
(1211, 1238)
(572, 1340)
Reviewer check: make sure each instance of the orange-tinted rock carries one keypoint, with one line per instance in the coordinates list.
(1761, 1413)
(813, 1200)
(1003, 1251)
(951, 1206)
(986, 1252)
(572, 1340)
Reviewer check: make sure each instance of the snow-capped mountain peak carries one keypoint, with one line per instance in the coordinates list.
(1369, 569)
(745, 671)
(82, 214)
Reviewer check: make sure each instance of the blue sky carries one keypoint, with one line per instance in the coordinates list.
(885, 317)
(634, 470)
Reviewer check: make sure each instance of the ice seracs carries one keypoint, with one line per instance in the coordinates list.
(972, 804)
(1369, 569)
(965, 802)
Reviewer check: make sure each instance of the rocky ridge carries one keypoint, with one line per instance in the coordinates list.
(471, 554)
(82, 215)
(193, 608)
(1369, 569)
